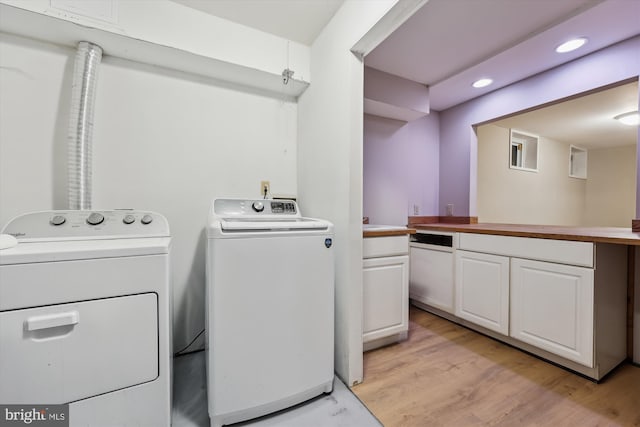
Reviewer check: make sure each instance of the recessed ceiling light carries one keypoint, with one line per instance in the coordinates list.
(631, 118)
(572, 44)
(482, 83)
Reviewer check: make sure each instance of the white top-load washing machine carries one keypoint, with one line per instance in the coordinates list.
(84, 316)
(270, 305)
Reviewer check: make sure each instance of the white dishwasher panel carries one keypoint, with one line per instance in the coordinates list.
(431, 279)
(67, 352)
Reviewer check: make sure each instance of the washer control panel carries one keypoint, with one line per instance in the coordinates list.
(255, 208)
(81, 225)
(285, 207)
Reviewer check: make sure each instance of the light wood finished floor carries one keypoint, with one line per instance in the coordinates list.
(447, 375)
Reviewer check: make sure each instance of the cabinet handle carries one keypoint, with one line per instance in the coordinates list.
(52, 320)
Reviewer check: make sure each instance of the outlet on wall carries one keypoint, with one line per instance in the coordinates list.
(450, 209)
(265, 188)
(416, 209)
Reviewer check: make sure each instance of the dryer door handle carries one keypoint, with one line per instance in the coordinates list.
(53, 320)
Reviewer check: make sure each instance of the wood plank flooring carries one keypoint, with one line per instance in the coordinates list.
(447, 375)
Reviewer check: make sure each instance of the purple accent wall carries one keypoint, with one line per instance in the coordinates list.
(458, 145)
(400, 168)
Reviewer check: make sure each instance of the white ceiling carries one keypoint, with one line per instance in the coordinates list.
(446, 37)
(448, 44)
(297, 20)
(586, 121)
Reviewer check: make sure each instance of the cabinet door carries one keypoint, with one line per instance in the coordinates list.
(482, 290)
(552, 308)
(385, 296)
(431, 278)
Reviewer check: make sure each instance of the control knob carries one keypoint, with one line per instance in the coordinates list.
(57, 220)
(258, 206)
(128, 219)
(146, 219)
(95, 218)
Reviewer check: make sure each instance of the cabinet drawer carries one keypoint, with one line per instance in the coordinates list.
(558, 251)
(373, 247)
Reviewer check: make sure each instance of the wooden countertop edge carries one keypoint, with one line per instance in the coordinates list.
(385, 233)
(580, 234)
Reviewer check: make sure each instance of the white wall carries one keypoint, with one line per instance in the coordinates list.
(513, 196)
(330, 163)
(163, 141)
(35, 83)
(610, 198)
(172, 142)
(163, 23)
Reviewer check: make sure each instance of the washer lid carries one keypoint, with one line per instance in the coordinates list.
(258, 224)
(244, 217)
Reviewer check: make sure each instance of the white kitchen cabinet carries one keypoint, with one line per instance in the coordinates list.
(565, 300)
(557, 251)
(386, 246)
(385, 297)
(552, 308)
(385, 293)
(482, 290)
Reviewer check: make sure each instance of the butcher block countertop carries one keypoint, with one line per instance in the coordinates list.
(374, 230)
(618, 235)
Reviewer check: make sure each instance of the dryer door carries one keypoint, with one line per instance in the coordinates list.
(67, 352)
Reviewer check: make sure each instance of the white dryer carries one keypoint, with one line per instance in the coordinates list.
(84, 316)
(270, 296)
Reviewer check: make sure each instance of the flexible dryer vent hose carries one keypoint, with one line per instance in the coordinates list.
(85, 78)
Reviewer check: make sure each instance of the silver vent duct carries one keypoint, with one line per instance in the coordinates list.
(85, 78)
